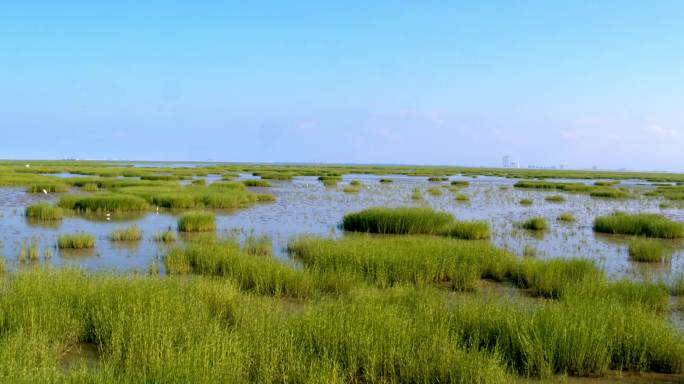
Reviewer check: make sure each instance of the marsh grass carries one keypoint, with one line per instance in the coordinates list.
(641, 224)
(467, 230)
(197, 222)
(76, 241)
(438, 178)
(352, 189)
(274, 175)
(413, 221)
(676, 287)
(606, 183)
(434, 191)
(386, 181)
(130, 233)
(395, 260)
(535, 224)
(103, 203)
(555, 199)
(167, 236)
(463, 198)
(90, 187)
(416, 194)
(566, 217)
(225, 258)
(460, 183)
(256, 183)
(610, 193)
(258, 245)
(526, 202)
(44, 212)
(49, 187)
(552, 277)
(647, 250)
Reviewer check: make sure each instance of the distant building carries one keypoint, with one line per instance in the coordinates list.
(506, 161)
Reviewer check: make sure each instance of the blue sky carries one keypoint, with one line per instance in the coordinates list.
(578, 83)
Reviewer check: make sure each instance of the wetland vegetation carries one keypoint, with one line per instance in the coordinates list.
(342, 277)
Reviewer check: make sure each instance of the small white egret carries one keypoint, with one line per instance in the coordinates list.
(44, 191)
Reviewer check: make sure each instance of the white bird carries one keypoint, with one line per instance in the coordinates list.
(44, 191)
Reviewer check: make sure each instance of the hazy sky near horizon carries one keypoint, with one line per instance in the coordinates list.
(578, 83)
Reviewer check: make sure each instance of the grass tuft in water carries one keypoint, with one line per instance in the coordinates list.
(76, 241)
(44, 212)
(535, 224)
(647, 250)
(555, 199)
(566, 217)
(414, 221)
(167, 236)
(197, 222)
(130, 233)
(256, 183)
(641, 224)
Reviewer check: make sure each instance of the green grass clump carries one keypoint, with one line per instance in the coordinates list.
(258, 245)
(49, 187)
(647, 250)
(574, 336)
(355, 183)
(462, 197)
(568, 187)
(351, 189)
(566, 217)
(676, 287)
(167, 236)
(397, 220)
(526, 202)
(555, 199)
(605, 183)
(262, 275)
(552, 277)
(641, 224)
(386, 181)
(468, 230)
(416, 194)
(460, 183)
(438, 178)
(103, 203)
(256, 183)
(130, 233)
(610, 193)
(434, 191)
(413, 221)
(160, 177)
(75, 241)
(197, 222)
(418, 260)
(44, 212)
(535, 224)
(90, 187)
(199, 182)
(274, 175)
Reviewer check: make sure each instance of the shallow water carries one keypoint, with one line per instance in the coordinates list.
(305, 206)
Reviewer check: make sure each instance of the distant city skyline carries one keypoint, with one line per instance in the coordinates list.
(581, 83)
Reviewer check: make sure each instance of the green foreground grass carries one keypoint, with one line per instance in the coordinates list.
(215, 329)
